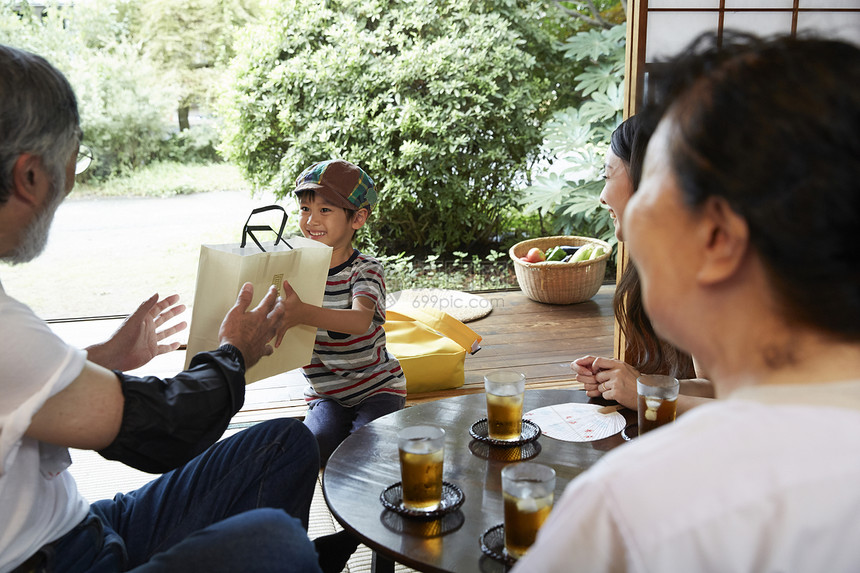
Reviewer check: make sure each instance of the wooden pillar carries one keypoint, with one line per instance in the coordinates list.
(634, 80)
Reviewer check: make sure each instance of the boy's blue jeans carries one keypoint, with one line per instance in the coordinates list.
(242, 505)
(331, 423)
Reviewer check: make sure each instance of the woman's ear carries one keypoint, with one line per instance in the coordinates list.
(725, 241)
(360, 218)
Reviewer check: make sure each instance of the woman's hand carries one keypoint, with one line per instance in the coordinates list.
(138, 339)
(612, 379)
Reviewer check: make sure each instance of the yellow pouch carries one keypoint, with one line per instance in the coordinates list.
(431, 346)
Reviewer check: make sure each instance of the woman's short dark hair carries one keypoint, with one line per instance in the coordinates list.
(773, 127)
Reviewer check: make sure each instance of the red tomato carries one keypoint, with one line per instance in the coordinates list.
(535, 255)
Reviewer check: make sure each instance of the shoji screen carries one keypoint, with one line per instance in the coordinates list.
(673, 23)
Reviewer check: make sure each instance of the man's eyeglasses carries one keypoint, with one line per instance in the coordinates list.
(84, 160)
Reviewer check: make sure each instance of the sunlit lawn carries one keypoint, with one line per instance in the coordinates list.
(168, 179)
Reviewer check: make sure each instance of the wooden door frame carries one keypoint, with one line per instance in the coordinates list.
(634, 80)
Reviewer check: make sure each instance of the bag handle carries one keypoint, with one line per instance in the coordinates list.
(441, 322)
(248, 230)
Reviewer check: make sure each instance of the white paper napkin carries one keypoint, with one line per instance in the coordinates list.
(576, 422)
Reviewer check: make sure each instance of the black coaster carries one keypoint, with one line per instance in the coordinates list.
(493, 544)
(509, 454)
(452, 499)
(489, 564)
(423, 528)
(480, 431)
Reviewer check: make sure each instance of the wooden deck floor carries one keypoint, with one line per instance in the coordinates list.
(538, 339)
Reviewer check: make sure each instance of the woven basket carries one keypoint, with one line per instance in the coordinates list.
(556, 282)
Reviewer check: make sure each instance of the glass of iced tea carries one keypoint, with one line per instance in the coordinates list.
(505, 390)
(658, 395)
(527, 489)
(422, 451)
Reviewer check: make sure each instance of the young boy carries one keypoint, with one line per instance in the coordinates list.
(352, 378)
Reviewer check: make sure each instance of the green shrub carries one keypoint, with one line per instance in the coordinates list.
(123, 109)
(440, 101)
(460, 271)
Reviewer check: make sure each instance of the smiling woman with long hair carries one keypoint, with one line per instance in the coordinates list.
(645, 352)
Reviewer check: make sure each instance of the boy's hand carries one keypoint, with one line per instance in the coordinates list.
(354, 320)
(294, 310)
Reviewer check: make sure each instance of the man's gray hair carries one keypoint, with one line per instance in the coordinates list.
(38, 115)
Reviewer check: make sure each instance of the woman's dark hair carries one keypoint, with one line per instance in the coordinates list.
(629, 141)
(773, 127)
(644, 350)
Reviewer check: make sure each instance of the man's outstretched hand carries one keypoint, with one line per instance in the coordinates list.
(251, 330)
(138, 339)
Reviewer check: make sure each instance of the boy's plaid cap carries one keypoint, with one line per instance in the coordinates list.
(340, 183)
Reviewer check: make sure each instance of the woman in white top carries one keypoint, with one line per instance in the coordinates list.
(744, 233)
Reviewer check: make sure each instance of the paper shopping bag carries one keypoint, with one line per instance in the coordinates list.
(222, 271)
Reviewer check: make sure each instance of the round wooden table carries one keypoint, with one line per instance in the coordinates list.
(367, 462)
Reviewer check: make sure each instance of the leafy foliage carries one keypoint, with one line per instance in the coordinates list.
(577, 139)
(594, 13)
(192, 42)
(121, 100)
(133, 64)
(195, 145)
(440, 101)
(461, 271)
(123, 108)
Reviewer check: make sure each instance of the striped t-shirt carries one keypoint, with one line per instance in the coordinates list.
(348, 368)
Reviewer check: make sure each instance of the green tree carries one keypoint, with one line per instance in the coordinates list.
(441, 101)
(37, 29)
(192, 43)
